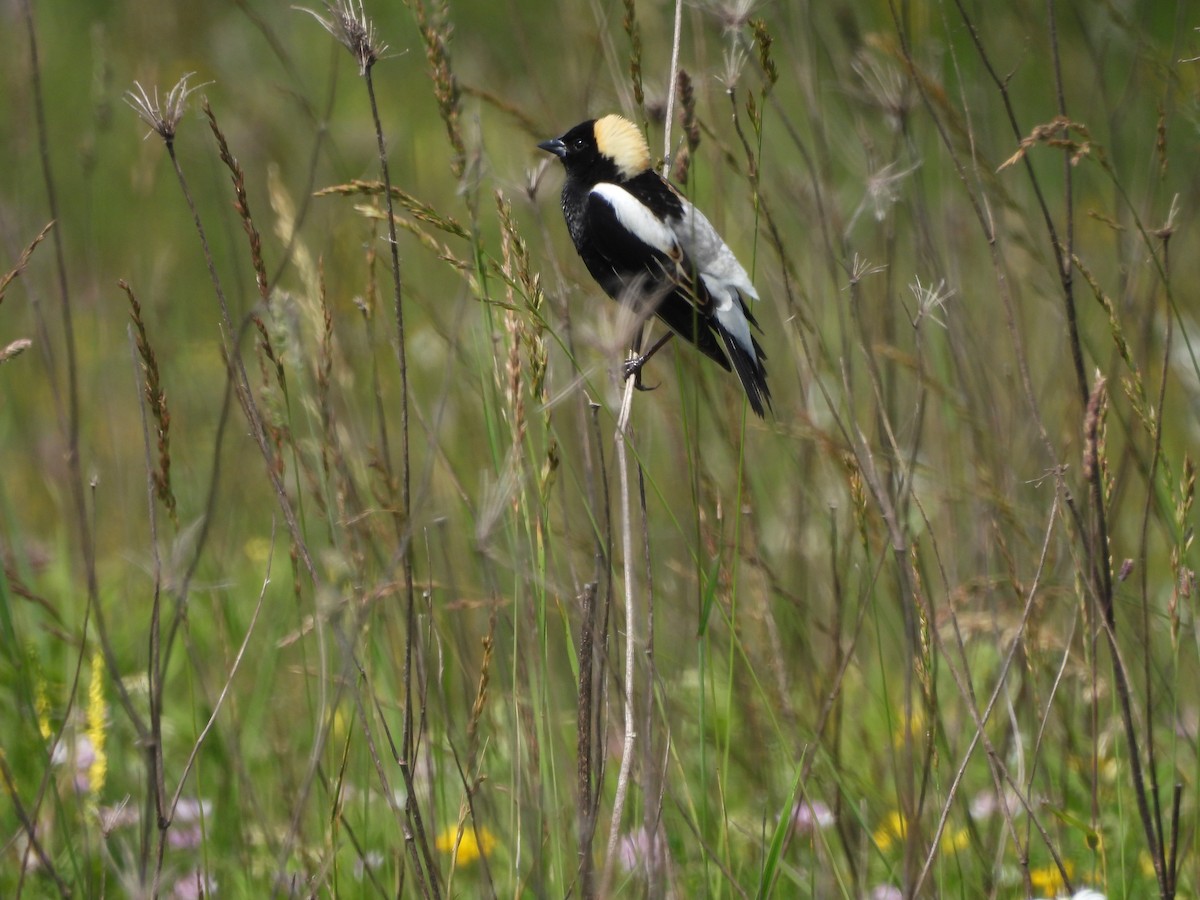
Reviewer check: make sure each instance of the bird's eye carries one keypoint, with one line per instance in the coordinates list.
(579, 144)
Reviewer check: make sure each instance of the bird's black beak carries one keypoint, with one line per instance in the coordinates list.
(555, 146)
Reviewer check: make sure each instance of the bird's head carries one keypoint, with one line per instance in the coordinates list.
(607, 149)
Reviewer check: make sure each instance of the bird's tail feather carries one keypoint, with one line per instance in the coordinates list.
(750, 370)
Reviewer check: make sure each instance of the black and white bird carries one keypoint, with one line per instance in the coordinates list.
(650, 248)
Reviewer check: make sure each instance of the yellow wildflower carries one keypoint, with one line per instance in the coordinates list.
(340, 725)
(955, 839)
(893, 827)
(1146, 864)
(257, 550)
(41, 705)
(469, 847)
(1048, 880)
(97, 720)
(915, 728)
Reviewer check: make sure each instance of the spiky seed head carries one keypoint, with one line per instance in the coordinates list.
(162, 116)
(622, 142)
(349, 24)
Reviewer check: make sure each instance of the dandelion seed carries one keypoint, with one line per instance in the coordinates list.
(497, 499)
(882, 192)
(731, 71)
(732, 14)
(353, 30)
(1167, 229)
(881, 188)
(162, 117)
(860, 268)
(884, 85)
(930, 300)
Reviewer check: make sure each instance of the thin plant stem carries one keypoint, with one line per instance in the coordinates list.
(404, 522)
(154, 751)
(985, 715)
(585, 822)
(614, 831)
(234, 359)
(672, 83)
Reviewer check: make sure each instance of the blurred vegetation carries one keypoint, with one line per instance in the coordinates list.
(927, 629)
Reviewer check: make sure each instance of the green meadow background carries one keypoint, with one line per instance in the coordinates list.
(293, 605)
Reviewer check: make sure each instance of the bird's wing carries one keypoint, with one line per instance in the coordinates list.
(637, 229)
(636, 232)
(638, 251)
(723, 277)
(647, 223)
(725, 285)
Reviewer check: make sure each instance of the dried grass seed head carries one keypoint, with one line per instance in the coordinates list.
(882, 84)
(732, 14)
(162, 116)
(733, 61)
(348, 23)
(931, 300)
(16, 348)
(882, 192)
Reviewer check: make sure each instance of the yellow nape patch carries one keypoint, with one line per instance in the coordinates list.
(619, 140)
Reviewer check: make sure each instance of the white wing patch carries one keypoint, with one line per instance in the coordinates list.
(638, 219)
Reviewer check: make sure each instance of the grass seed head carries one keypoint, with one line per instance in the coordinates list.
(349, 25)
(163, 116)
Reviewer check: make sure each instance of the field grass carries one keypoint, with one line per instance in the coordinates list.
(339, 561)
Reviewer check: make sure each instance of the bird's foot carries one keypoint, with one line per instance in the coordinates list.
(633, 368)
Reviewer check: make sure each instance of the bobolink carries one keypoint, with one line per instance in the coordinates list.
(649, 247)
